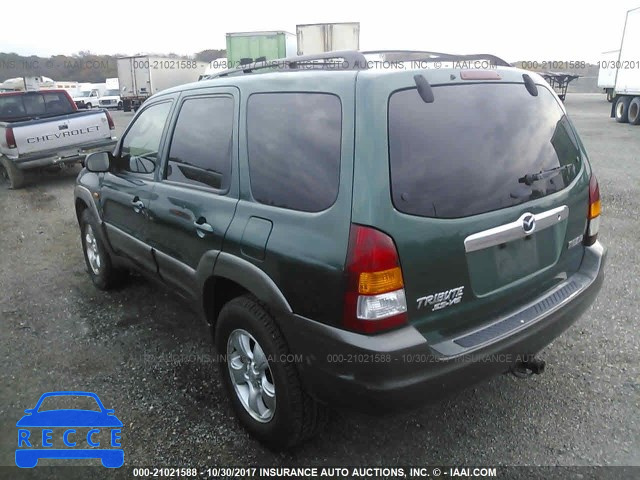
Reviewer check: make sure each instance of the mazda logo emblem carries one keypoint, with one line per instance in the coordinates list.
(528, 223)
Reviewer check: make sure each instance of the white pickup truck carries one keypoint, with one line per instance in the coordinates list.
(44, 128)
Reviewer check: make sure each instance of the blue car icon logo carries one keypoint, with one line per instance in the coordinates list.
(69, 433)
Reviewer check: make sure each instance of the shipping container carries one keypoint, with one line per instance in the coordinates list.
(327, 37)
(248, 47)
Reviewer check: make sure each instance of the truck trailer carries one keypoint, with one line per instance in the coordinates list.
(327, 37)
(248, 47)
(21, 84)
(607, 73)
(141, 76)
(626, 105)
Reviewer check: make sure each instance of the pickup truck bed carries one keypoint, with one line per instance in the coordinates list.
(33, 133)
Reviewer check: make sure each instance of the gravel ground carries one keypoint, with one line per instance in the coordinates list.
(148, 357)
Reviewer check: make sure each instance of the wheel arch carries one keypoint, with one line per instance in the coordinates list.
(84, 200)
(233, 276)
(81, 206)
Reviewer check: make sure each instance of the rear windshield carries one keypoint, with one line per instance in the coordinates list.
(469, 151)
(29, 105)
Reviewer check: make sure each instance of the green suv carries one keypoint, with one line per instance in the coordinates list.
(357, 233)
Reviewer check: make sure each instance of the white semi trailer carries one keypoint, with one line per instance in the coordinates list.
(626, 106)
(607, 73)
(141, 76)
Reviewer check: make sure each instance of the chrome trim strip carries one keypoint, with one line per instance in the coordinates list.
(514, 230)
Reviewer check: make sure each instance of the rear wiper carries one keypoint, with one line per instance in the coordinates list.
(529, 178)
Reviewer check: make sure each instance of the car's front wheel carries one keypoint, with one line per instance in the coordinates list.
(99, 264)
(261, 377)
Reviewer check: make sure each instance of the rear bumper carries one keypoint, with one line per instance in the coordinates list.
(400, 369)
(72, 154)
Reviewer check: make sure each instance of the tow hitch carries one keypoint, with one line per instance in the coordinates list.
(528, 367)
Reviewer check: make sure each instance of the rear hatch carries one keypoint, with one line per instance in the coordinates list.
(477, 231)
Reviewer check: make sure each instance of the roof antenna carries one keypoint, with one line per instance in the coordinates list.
(531, 86)
(424, 89)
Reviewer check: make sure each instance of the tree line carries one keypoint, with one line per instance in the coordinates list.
(81, 67)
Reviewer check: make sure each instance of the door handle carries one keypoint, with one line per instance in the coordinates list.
(202, 227)
(138, 205)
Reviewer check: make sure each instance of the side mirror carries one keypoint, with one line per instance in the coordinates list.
(98, 162)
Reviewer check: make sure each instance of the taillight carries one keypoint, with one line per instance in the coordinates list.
(112, 126)
(10, 137)
(593, 215)
(374, 299)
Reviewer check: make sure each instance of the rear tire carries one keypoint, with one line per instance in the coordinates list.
(11, 175)
(622, 109)
(295, 416)
(610, 95)
(99, 265)
(89, 106)
(633, 114)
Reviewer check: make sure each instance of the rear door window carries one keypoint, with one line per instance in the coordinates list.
(469, 151)
(294, 149)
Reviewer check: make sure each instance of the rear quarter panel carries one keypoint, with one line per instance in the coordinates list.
(305, 252)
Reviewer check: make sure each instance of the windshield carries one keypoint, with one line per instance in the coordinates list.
(111, 93)
(84, 94)
(468, 151)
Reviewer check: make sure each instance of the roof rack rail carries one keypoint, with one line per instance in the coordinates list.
(353, 60)
(414, 55)
(405, 52)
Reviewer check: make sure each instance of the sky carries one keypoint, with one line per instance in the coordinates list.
(538, 30)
